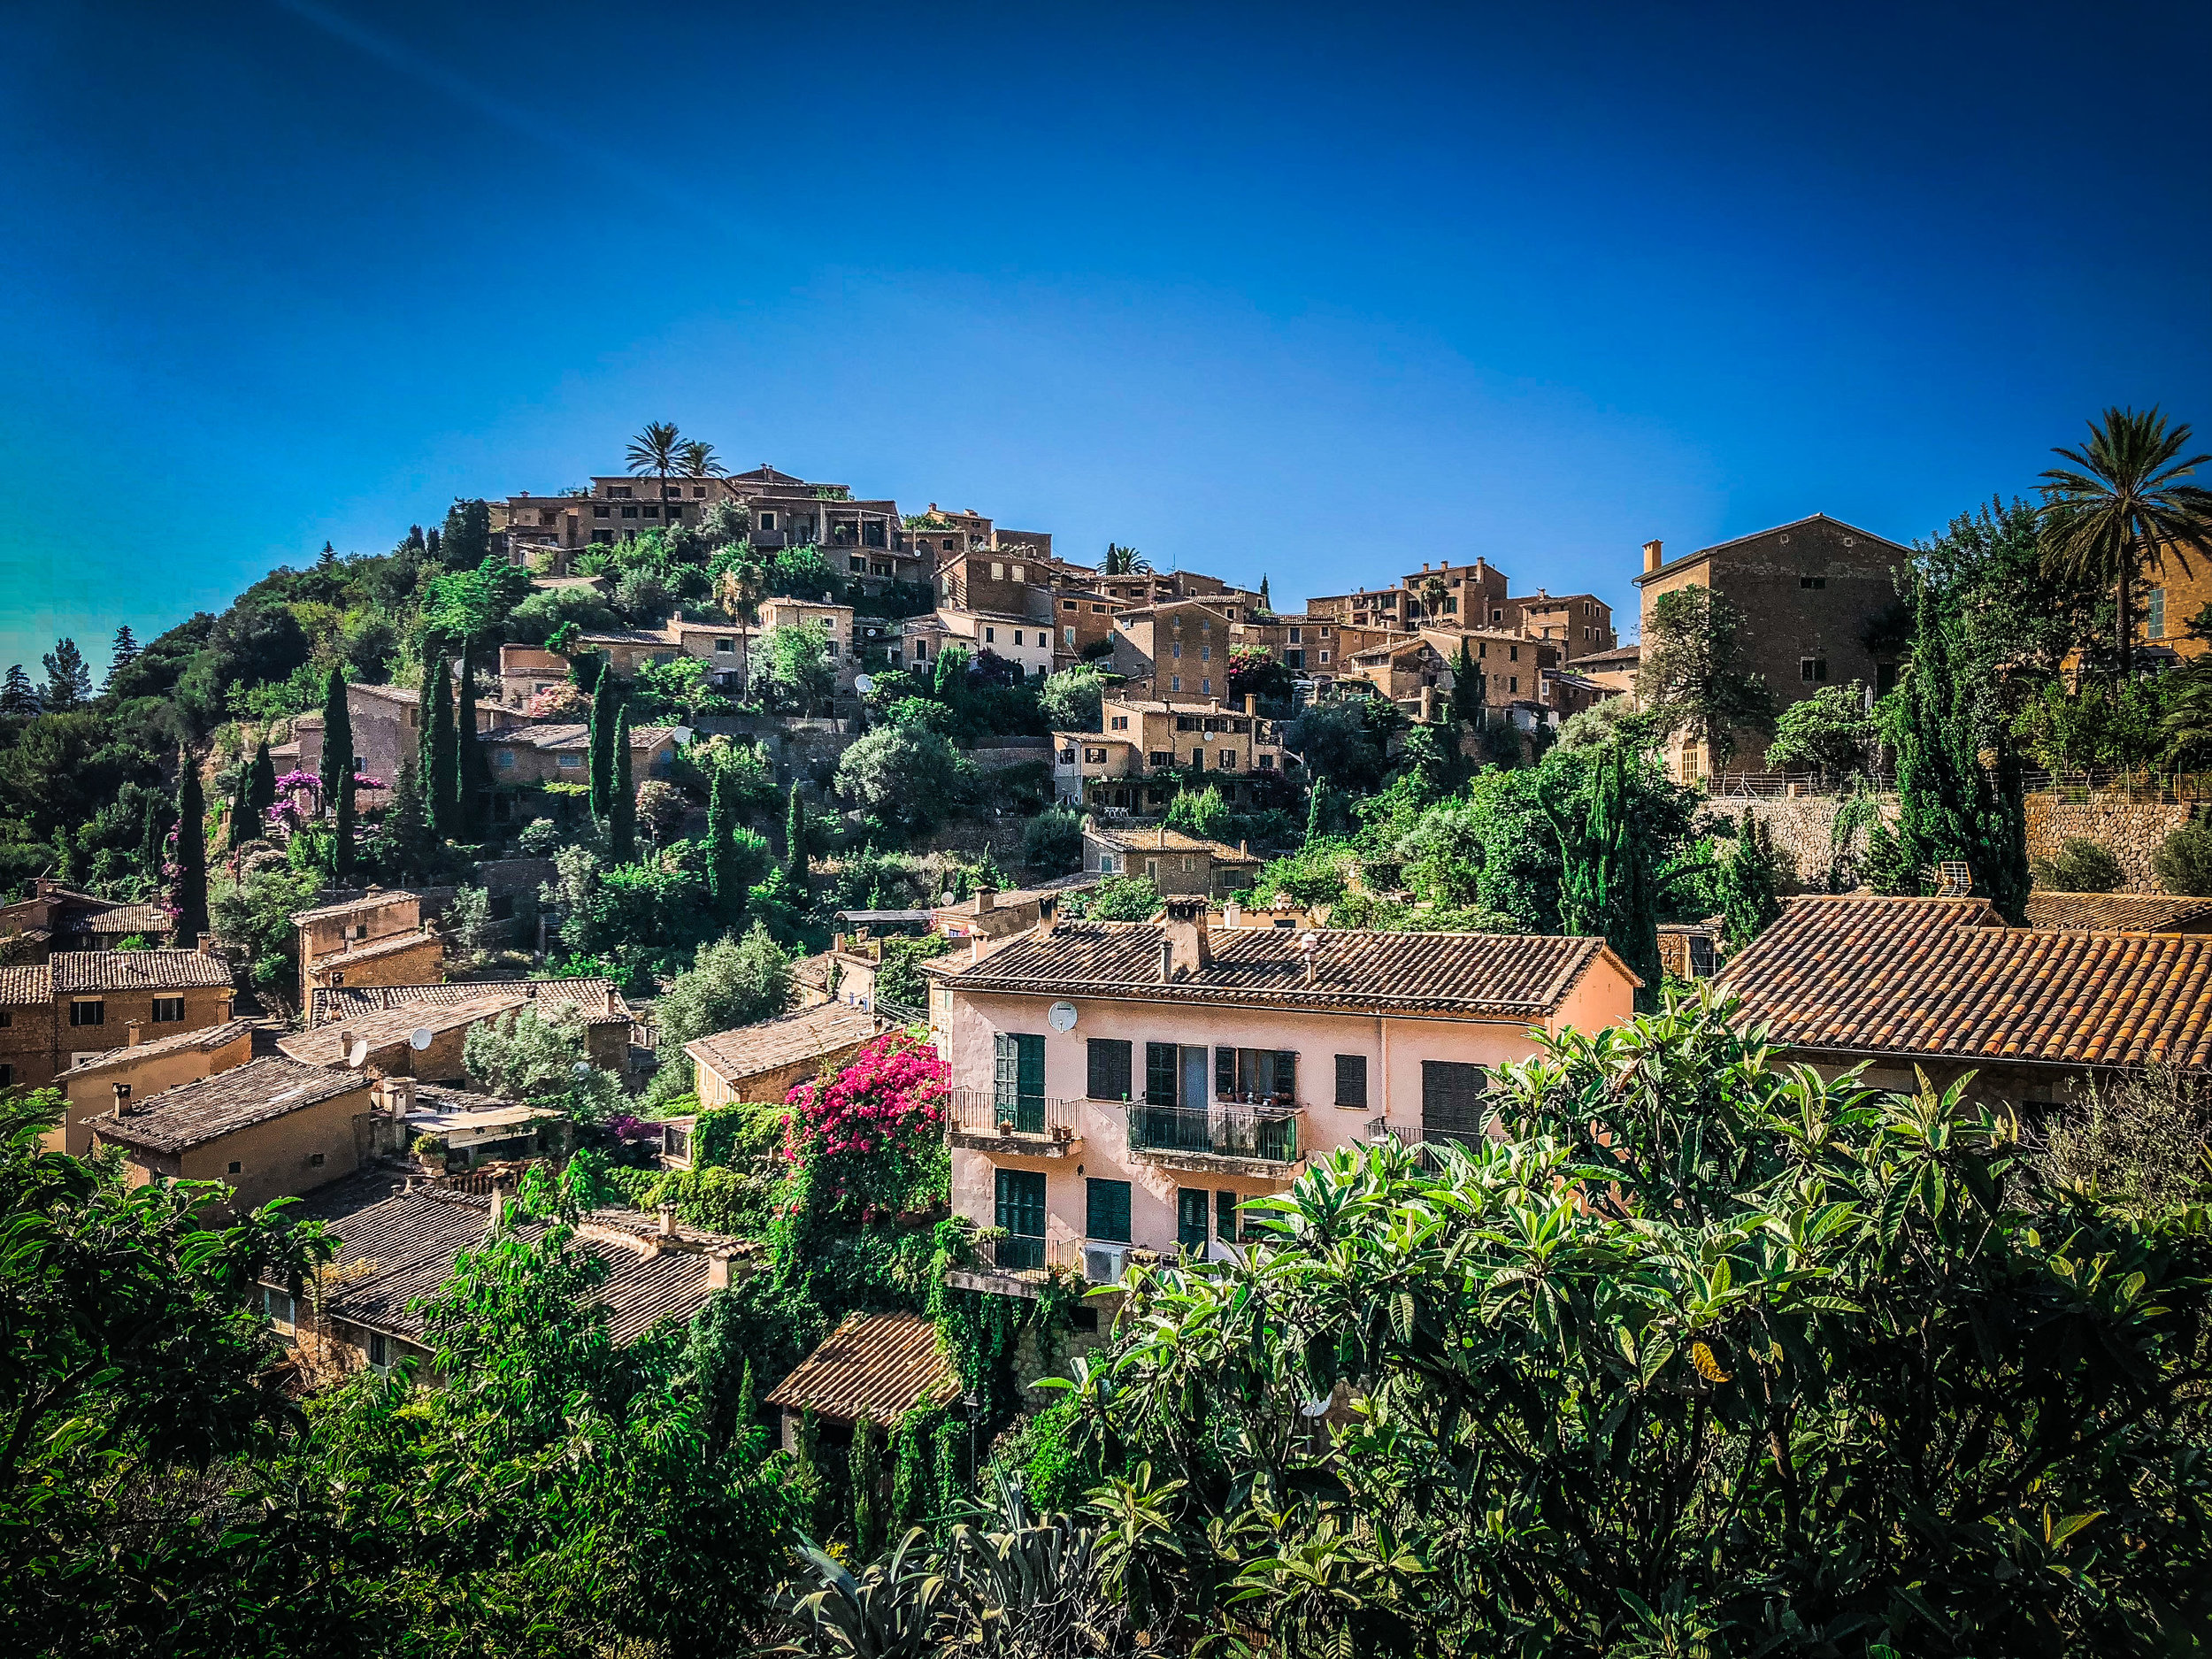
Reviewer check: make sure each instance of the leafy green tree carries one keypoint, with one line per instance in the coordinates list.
(1052, 842)
(1695, 676)
(2183, 862)
(189, 885)
(2014, 621)
(438, 759)
(605, 709)
(1347, 742)
(622, 803)
(1201, 812)
(1830, 733)
(1122, 899)
(792, 668)
(2121, 508)
(541, 1062)
(253, 916)
(732, 981)
(1705, 1356)
(1073, 698)
(2080, 865)
(68, 680)
(903, 777)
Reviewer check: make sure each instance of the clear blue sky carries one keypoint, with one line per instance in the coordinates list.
(1318, 293)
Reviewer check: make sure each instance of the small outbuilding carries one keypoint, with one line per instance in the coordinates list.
(874, 1368)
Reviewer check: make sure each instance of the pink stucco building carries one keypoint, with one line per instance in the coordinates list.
(1129, 1084)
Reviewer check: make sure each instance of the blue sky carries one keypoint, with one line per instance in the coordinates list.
(1316, 294)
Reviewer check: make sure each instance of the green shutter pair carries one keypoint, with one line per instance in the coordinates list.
(1106, 1212)
(1018, 1081)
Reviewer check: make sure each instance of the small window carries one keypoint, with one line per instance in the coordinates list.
(1812, 670)
(1108, 1071)
(629, 512)
(1351, 1080)
(768, 521)
(379, 1350)
(726, 647)
(7, 1017)
(1812, 581)
(168, 1011)
(2154, 616)
(990, 636)
(7, 1076)
(92, 1013)
(237, 1168)
(314, 1160)
(650, 512)
(603, 513)
(571, 763)
(1017, 636)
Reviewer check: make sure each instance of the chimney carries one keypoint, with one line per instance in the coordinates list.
(345, 1042)
(718, 1270)
(1048, 915)
(614, 1003)
(122, 1097)
(207, 944)
(1428, 705)
(499, 1208)
(983, 901)
(1251, 702)
(1651, 561)
(395, 1095)
(668, 1222)
(131, 1027)
(1233, 914)
(1189, 945)
(1167, 962)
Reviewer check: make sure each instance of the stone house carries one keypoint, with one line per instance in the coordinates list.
(56, 918)
(554, 751)
(269, 1129)
(144, 1066)
(608, 1019)
(1175, 648)
(1136, 761)
(835, 624)
(1580, 624)
(1812, 595)
(1119, 1086)
(378, 939)
(1026, 643)
(82, 1003)
(387, 729)
(766, 1061)
(1172, 861)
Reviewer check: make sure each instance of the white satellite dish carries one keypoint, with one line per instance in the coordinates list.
(1061, 1017)
(948, 898)
(864, 683)
(356, 1055)
(420, 1039)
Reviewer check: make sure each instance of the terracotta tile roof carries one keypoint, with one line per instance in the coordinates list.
(2119, 912)
(193, 1114)
(1168, 840)
(1944, 979)
(399, 1248)
(1496, 975)
(877, 1366)
(27, 988)
(324, 1045)
(132, 918)
(391, 945)
(207, 1039)
(567, 735)
(359, 1001)
(80, 972)
(831, 1029)
(372, 901)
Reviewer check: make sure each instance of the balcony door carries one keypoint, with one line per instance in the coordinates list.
(1018, 1081)
(1453, 1107)
(1194, 1218)
(1021, 1211)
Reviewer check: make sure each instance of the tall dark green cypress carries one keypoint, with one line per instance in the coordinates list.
(190, 892)
(603, 711)
(263, 795)
(337, 738)
(1608, 889)
(153, 851)
(723, 880)
(622, 804)
(244, 825)
(1469, 704)
(795, 843)
(472, 776)
(342, 841)
(437, 758)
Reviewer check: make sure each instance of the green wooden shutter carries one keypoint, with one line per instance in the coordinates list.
(1225, 1074)
(1005, 1069)
(1159, 1073)
(1109, 1059)
(1192, 1208)
(1106, 1212)
(1225, 1216)
(1286, 1073)
(1351, 1080)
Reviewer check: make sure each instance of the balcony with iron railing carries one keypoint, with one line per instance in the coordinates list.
(1018, 1264)
(1255, 1138)
(1011, 1123)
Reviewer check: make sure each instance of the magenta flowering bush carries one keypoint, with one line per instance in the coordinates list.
(297, 779)
(873, 1134)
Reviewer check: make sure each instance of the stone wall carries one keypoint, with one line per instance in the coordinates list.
(2133, 830)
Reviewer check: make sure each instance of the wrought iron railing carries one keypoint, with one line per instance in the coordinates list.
(1022, 1253)
(1266, 1132)
(980, 1111)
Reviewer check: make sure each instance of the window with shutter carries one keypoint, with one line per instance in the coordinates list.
(1018, 1064)
(1021, 1211)
(1106, 1212)
(1108, 1071)
(1159, 1073)
(1225, 1216)
(1452, 1105)
(1351, 1080)
(1194, 1216)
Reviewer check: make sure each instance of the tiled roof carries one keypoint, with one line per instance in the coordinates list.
(206, 1038)
(324, 1045)
(401, 1249)
(877, 1366)
(375, 900)
(567, 735)
(1619, 654)
(193, 1114)
(391, 945)
(1501, 975)
(1944, 979)
(1719, 546)
(79, 972)
(811, 1033)
(27, 988)
(132, 918)
(1163, 839)
(2121, 912)
(359, 1001)
(1153, 705)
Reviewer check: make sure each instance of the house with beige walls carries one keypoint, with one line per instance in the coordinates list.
(1120, 1086)
(107, 1083)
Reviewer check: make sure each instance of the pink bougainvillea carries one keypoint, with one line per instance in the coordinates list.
(861, 1134)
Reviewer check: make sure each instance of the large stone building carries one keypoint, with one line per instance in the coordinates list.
(1812, 595)
(1148, 745)
(82, 1003)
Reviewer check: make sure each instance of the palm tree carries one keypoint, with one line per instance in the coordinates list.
(2120, 508)
(656, 449)
(699, 460)
(1125, 561)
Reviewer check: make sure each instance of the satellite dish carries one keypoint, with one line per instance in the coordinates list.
(948, 898)
(420, 1039)
(356, 1055)
(864, 683)
(1061, 1017)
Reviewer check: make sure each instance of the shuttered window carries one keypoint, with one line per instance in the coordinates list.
(1106, 1212)
(1351, 1080)
(1452, 1104)
(1021, 1202)
(1193, 1216)
(1159, 1073)
(1225, 1216)
(1111, 1061)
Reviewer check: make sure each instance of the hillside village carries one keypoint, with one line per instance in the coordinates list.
(930, 1016)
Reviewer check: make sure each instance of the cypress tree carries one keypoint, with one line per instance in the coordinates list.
(153, 843)
(473, 778)
(245, 823)
(603, 713)
(191, 887)
(1606, 887)
(407, 823)
(437, 758)
(723, 879)
(622, 805)
(1317, 809)
(584, 669)
(262, 790)
(337, 738)
(795, 843)
(342, 843)
(1469, 704)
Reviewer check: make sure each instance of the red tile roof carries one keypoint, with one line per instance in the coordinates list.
(1499, 975)
(79, 972)
(1944, 979)
(2120, 912)
(878, 1366)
